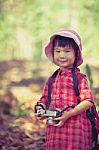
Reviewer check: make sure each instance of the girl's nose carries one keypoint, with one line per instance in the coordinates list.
(62, 54)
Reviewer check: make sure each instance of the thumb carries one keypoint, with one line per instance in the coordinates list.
(58, 118)
(61, 123)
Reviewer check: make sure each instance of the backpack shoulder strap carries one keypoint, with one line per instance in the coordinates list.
(75, 84)
(50, 82)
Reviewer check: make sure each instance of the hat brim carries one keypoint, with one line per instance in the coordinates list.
(67, 33)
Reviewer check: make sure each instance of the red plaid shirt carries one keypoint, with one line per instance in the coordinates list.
(76, 133)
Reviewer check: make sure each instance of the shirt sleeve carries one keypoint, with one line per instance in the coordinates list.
(85, 91)
(44, 97)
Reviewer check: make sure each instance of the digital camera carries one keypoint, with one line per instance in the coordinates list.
(49, 114)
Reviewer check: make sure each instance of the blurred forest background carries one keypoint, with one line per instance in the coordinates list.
(25, 26)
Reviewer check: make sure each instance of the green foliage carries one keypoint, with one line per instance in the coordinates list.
(21, 110)
(97, 107)
(89, 74)
(38, 19)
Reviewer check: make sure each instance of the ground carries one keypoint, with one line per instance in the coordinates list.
(21, 86)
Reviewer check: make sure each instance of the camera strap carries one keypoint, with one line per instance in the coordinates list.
(50, 82)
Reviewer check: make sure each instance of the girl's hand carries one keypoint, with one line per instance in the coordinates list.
(39, 117)
(40, 112)
(62, 119)
(61, 123)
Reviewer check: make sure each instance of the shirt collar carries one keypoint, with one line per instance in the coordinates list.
(69, 71)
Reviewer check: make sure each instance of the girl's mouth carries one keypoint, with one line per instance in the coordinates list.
(62, 61)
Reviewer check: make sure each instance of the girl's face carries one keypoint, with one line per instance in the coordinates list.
(64, 57)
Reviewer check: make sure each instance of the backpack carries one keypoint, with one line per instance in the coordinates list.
(90, 113)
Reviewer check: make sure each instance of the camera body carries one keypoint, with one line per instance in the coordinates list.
(49, 114)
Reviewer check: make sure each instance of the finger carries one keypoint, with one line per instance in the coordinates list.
(58, 118)
(42, 118)
(38, 116)
(59, 124)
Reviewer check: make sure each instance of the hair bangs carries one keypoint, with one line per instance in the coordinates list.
(62, 41)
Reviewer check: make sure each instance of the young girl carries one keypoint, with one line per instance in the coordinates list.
(73, 130)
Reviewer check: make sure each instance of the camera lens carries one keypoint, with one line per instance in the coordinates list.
(50, 121)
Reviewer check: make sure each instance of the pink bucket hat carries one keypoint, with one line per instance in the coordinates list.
(66, 33)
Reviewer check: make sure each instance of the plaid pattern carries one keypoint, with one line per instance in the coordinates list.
(75, 134)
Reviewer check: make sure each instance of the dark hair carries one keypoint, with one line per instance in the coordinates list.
(65, 41)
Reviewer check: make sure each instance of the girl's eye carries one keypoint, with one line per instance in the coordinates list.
(57, 51)
(67, 51)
